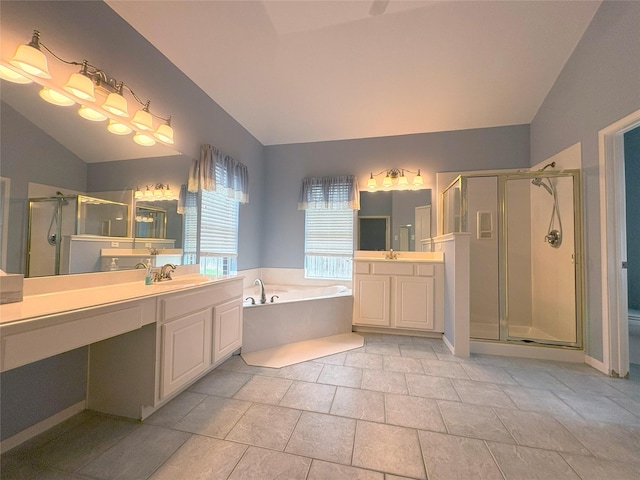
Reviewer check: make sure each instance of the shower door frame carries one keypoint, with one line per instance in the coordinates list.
(503, 178)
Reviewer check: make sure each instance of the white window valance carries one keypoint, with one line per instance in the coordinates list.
(217, 172)
(329, 193)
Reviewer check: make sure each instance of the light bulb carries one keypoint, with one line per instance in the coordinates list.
(387, 181)
(371, 183)
(118, 128)
(158, 192)
(164, 133)
(30, 59)
(402, 180)
(143, 139)
(80, 86)
(90, 114)
(54, 97)
(148, 193)
(138, 193)
(116, 104)
(142, 119)
(417, 181)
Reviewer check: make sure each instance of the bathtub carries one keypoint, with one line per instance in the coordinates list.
(300, 313)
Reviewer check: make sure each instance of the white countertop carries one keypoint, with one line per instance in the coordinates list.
(59, 302)
(402, 257)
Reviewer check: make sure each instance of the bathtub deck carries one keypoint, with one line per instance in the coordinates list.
(292, 353)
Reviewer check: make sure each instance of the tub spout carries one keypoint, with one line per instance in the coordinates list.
(263, 297)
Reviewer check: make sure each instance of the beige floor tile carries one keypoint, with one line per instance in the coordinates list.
(343, 376)
(360, 404)
(598, 408)
(382, 348)
(592, 468)
(393, 363)
(364, 360)
(200, 458)
(261, 464)
(264, 390)
(214, 416)
(605, 440)
(79, 445)
(485, 373)
(305, 372)
(536, 379)
(586, 384)
(431, 387)
(309, 396)
(172, 412)
(265, 426)
(538, 400)
(448, 457)
(389, 449)
(221, 383)
(325, 437)
(540, 430)
(397, 339)
(530, 463)
(382, 381)
(413, 412)
(330, 471)
(480, 393)
(335, 359)
(417, 351)
(138, 455)
(473, 421)
(438, 368)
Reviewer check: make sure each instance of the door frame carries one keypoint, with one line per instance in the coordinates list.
(613, 243)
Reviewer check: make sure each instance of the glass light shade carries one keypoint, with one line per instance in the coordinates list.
(371, 183)
(56, 98)
(148, 193)
(164, 133)
(142, 119)
(118, 128)
(402, 180)
(12, 76)
(89, 113)
(144, 140)
(387, 181)
(31, 60)
(417, 181)
(138, 218)
(168, 193)
(158, 193)
(138, 194)
(81, 87)
(116, 104)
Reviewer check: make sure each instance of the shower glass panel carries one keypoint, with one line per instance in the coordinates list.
(540, 275)
(452, 207)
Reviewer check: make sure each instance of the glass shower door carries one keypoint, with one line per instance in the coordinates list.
(540, 281)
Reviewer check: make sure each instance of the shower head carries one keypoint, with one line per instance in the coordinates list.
(539, 183)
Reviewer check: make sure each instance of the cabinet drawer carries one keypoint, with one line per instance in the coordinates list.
(425, 269)
(392, 268)
(362, 268)
(180, 304)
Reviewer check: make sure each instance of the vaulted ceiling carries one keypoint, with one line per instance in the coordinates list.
(303, 71)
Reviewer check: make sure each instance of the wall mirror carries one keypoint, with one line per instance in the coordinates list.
(397, 219)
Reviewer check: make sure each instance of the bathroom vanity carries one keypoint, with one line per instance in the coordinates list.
(402, 293)
(146, 343)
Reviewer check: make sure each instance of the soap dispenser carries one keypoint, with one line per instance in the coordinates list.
(114, 264)
(148, 277)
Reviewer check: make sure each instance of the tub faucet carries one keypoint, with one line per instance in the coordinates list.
(263, 297)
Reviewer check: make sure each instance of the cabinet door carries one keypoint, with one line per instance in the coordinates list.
(227, 325)
(371, 300)
(186, 350)
(414, 306)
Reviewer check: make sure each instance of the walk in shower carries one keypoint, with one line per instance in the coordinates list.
(525, 251)
(52, 219)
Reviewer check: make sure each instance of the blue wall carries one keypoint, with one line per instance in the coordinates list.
(632, 182)
(599, 85)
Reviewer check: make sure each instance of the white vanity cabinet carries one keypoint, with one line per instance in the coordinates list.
(399, 294)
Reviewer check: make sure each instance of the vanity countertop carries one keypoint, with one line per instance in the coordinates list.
(402, 257)
(64, 301)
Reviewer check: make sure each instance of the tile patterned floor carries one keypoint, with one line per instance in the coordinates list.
(397, 408)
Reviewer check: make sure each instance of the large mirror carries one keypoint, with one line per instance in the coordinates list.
(55, 219)
(396, 219)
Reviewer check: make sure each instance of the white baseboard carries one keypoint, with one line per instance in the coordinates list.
(597, 364)
(42, 426)
(448, 344)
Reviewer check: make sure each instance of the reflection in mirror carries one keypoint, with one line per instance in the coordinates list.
(397, 219)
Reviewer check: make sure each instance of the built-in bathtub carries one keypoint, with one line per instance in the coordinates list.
(299, 313)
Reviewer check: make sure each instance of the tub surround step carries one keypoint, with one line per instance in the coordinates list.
(292, 353)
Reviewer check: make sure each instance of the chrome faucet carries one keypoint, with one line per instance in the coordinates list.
(391, 255)
(263, 297)
(165, 272)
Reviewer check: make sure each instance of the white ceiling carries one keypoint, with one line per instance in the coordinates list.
(303, 71)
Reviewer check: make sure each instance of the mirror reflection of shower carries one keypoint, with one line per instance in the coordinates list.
(554, 232)
(53, 237)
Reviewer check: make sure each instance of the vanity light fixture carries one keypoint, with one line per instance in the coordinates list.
(154, 192)
(100, 96)
(394, 174)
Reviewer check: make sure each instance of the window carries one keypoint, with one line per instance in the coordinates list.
(329, 204)
(328, 243)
